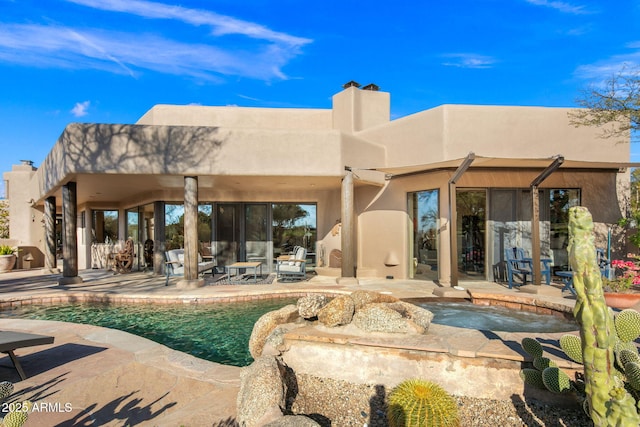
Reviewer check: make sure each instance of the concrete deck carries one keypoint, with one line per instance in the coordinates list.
(109, 377)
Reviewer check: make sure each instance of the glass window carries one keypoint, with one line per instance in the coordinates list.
(174, 226)
(424, 212)
(560, 202)
(293, 225)
(105, 226)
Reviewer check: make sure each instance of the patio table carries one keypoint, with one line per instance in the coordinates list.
(244, 265)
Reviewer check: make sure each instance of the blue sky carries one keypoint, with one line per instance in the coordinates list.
(109, 61)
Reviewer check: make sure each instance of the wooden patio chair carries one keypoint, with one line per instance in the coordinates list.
(123, 260)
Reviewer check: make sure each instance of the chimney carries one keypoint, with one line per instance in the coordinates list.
(355, 109)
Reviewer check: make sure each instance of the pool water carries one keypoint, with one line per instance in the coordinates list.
(220, 332)
(494, 318)
(215, 332)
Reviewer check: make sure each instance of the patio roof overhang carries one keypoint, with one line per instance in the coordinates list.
(503, 163)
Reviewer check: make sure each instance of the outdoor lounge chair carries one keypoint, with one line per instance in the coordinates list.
(518, 264)
(174, 265)
(293, 266)
(10, 341)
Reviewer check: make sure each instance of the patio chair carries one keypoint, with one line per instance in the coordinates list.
(604, 264)
(518, 264)
(123, 260)
(292, 267)
(174, 265)
(10, 341)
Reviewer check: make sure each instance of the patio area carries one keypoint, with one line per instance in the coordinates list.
(134, 380)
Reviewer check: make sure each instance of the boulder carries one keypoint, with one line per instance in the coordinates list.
(266, 324)
(293, 421)
(309, 305)
(377, 317)
(362, 298)
(262, 392)
(338, 311)
(418, 315)
(274, 344)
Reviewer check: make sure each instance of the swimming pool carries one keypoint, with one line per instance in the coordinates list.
(215, 332)
(220, 332)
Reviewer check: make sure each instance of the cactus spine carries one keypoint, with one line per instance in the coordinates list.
(608, 403)
(420, 403)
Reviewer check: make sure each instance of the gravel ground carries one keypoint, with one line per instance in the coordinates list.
(342, 404)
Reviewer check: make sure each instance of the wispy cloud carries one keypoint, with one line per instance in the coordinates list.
(263, 55)
(606, 68)
(220, 24)
(562, 6)
(121, 52)
(80, 109)
(468, 60)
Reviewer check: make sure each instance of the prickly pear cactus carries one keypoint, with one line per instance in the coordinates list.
(608, 403)
(418, 403)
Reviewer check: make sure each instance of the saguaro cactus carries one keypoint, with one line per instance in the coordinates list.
(609, 404)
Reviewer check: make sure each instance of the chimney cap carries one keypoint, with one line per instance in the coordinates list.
(371, 86)
(27, 162)
(351, 83)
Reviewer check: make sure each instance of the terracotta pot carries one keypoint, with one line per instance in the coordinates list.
(7, 262)
(622, 300)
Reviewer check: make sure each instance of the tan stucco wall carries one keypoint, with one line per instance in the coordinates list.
(26, 226)
(452, 131)
(355, 109)
(238, 117)
(161, 150)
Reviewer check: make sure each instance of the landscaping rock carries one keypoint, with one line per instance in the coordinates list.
(362, 298)
(266, 324)
(377, 317)
(339, 311)
(418, 315)
(262, 392)
(293, 421)
(309, 305)
(274, 344)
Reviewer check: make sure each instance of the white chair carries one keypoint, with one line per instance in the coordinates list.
(174, 264)
(293, 267)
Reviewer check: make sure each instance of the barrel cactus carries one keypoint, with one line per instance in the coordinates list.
(417, 402)
(6, 388)
(18, 415)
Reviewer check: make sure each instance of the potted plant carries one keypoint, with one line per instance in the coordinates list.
(623, 290)
(7, 258)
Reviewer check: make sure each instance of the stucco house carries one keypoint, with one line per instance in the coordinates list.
(435, 195)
